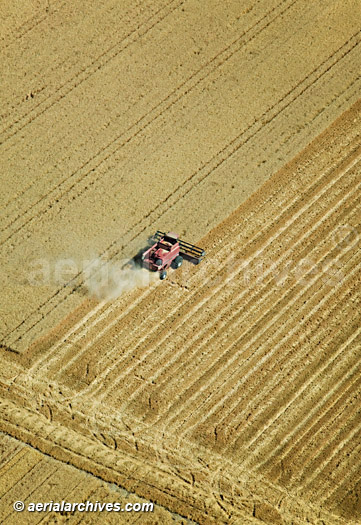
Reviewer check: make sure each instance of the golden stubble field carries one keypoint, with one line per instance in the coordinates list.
(230, 392)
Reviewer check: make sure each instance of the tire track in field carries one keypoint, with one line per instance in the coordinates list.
(69, 359)
(338, 96)
(76, 445)
(13, 457)
(342, 451)
(65, 64)
(176, 94)
(349, 481)
(92, 68)
(191, 177)
(320, 185)
(39, 474)
(21, 194)
(114, 466)
(174, 91)
(311, 455)
(308, 291)
(67, 342)
(235, 476)
(212, 159)
(42, 432)
(30, 24)
(190, 311)
(72, 337)
(244, 464)
(229, 367)
(333, 423)
(221, 428)
(174, 194)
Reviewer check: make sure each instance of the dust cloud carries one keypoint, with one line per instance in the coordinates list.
(106, 280)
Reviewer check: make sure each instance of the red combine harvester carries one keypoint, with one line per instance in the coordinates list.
(168, 250)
